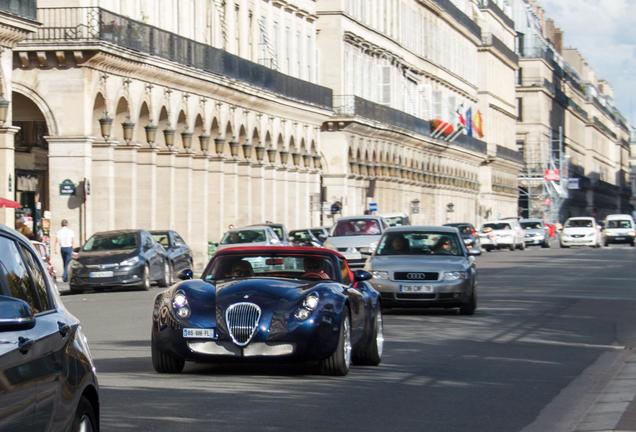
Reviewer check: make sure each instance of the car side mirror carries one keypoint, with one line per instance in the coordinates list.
(15, 314)
(76, 250)
(185, 274)
(361, 275)
(474, 252)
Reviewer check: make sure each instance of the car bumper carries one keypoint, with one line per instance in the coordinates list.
(619, 239)
(444, 293)
(132, 276)
(535, 240)
(578, 241)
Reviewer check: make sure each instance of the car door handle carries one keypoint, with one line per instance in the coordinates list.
(63, 328)
(24, 344)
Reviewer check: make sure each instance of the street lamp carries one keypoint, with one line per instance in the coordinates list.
(168, 135)
(128, 127)
(234, 148)
(271, 155)
(186, 140)
(105, 125)
(204, 142)
(260, 152)
(247, 150)
(284, 157)
(151, 134)
(219, 143)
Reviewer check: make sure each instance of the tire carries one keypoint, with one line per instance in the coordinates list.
(488, 249)
(166, 280)
(632, 244)
(145, 284)
(563, 246)
(371, 353)
(85, 419)
(545, 244)
(512, 247)
(523, 246)
(165, 362)
(338, 363)
(75, 290)
(606, 244)
(469, 307)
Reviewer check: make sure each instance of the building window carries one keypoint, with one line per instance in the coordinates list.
(520, 109)
(385, 85)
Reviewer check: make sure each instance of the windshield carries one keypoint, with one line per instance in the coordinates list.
(107, 242)
(356, 227)
(463, 228)
(396, 220)
(419, 243)
(579, 223)
(318, 233)
(244, 236)
(619, 224)
(161, 238)
(495, 227)
(309, 267)
(531, 225)
(300, 236)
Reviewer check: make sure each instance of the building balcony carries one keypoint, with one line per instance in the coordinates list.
(490, 40)
(509, 154)
(350, 106)
(75, 26)
(496, 10)
(460, 17)
(22, 8)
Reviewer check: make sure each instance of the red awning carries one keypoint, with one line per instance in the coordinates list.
(7, 203)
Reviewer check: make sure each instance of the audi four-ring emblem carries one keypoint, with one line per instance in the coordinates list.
(416, 275)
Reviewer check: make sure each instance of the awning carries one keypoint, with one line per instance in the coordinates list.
(7, 203)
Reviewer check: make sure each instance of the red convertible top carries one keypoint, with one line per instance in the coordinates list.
(281, 249)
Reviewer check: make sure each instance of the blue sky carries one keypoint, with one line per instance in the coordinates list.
(605, 33)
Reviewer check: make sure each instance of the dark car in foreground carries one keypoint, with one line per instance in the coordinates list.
(125, 258)
(279, 303)
(47, 375)
(420, 266)
(179, 253)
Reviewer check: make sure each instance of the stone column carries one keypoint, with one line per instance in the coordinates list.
(199, 234)
(103, 186)
(293, 201)
(282, 196)
(231, 199)
(244, 186)
(216, 199)
(7, 172)
(259, 199)
(147, 188)
(183, 195)
(270, 193)
(126, 188)
(166, 189)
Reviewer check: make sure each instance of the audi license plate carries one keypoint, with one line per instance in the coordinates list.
(199, 333)
(101, 274)
(421, 289)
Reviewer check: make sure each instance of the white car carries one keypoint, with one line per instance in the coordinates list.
(580, 231)
(619, 228)
(502, 234)
(356, 237)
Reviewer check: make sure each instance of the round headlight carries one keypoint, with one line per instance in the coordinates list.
(311, 302)
(302, 314)
(183, 312)
(179, 300)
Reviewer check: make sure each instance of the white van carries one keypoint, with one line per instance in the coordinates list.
(619, 228)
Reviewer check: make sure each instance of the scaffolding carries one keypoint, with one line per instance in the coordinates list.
(543, 181)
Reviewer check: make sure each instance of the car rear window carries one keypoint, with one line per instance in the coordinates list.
(244, 236)
(495, 227)
(531, 225)
(356, 227)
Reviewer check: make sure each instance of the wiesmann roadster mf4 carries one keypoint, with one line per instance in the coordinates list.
(282, 302)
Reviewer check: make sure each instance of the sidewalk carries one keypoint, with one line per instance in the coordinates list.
(615, 407)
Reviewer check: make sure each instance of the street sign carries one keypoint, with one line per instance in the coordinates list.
(573, 184)
(373, 206)
(67, 187)
(552, 175)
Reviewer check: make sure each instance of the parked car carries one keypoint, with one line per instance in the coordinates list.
(580, 231)
(279, 229)
(397, 219)
(304, 237)
(425, 266)
(255, 235)
(47, 375)
(502, 234)
(469, 234)
(179, 253)
(321, 233)
(537, 233)
(126, 258)
(43, 252)
(619, 228)
(303, 304)
(356, 237)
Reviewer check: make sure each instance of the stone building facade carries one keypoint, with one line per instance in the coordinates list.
(396, 66)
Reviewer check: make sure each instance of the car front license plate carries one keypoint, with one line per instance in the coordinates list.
(420, 289)
(619, 238)
(101, 274)
(199, 333)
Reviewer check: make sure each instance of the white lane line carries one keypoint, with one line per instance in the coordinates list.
(572, 344)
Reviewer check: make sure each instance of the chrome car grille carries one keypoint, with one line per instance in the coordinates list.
(416, 276)
(242, 321)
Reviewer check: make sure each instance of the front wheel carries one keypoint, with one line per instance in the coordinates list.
(85, 420)
(339, 362)
(145, 284)
(167, 275)
(512, 247)
(469, 307)
(371, 353)
(165, 362)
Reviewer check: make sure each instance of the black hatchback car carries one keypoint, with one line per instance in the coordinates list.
(125, 258)
(47, 375)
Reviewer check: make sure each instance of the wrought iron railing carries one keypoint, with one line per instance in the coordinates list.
(460, 17)
(509, 154)
(351, 105)
(491, 5)
(23, 8)
(488, 39)
(92, 24)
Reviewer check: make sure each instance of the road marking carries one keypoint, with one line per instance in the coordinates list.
(573, 344)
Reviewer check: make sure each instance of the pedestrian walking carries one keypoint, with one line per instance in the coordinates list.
(65, 240)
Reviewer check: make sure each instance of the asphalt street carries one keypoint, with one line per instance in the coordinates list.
(553, 328)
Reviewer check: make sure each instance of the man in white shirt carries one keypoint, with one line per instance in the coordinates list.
(65, 239)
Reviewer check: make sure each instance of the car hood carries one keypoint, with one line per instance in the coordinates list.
(106, 257)
(265, 292)
(574, 231)
(353, 241)
(420, 263)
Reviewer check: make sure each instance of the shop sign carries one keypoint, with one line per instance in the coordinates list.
(552, 175)
(67, 187)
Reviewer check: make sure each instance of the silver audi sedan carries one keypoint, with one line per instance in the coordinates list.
(425, 266)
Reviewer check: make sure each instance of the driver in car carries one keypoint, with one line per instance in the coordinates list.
(241, 269)
(316, 268)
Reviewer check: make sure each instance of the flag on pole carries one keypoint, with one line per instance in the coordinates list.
(478, 124)
(461, 124)
(469, 121)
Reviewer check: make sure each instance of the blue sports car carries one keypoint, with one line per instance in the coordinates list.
(296, 303)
